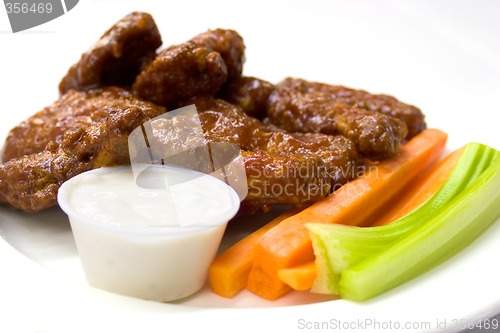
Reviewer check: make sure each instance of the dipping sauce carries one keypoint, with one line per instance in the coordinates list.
(151, 237)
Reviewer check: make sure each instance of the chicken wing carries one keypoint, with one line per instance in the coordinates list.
(229, 44)
(299, 140)
(179, 73)
(298, 180)
(249, 93)
(296, 169)
(74, 110)
(225, 122)
(311, 95)
(30, 182)
(377, 123)
(117, 57)
(198, 67)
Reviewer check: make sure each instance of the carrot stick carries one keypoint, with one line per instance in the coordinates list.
(422, 190)
(229, 271)
(288, 244)
(302, 277)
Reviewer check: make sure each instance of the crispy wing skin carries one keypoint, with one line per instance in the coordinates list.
(73, 110)
(117, 57)
(297, 180)
(181, 72)
(298, 105)
(30, 182)
(338, 153)
(198, 67)
(316, 92)
(229, 44)
(249, 93)
(376, 135)
(224, 122)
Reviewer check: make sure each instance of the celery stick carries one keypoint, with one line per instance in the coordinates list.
(449, 231)
(338, 247)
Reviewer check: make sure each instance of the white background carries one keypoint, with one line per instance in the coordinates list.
(442, 56)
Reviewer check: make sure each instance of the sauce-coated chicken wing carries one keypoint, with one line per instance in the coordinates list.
(299, 140)
(179, 73)
(279, 159)
(377, 123)
(30, 182)
(249, 93)
(117, 57)
(73, 110)
(311, 94)
(229, 44)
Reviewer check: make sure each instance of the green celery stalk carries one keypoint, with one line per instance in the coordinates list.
(338, 247)
(455, 226)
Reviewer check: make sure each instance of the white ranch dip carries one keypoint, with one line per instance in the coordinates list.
(154, 240)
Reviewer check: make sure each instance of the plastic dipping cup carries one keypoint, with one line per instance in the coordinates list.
(153, 238)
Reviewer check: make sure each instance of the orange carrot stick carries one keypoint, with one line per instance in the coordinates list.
(228, 273)
(300, 277)
(422, 190)
(288, 244)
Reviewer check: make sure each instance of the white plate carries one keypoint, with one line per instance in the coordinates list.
(441, 57)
